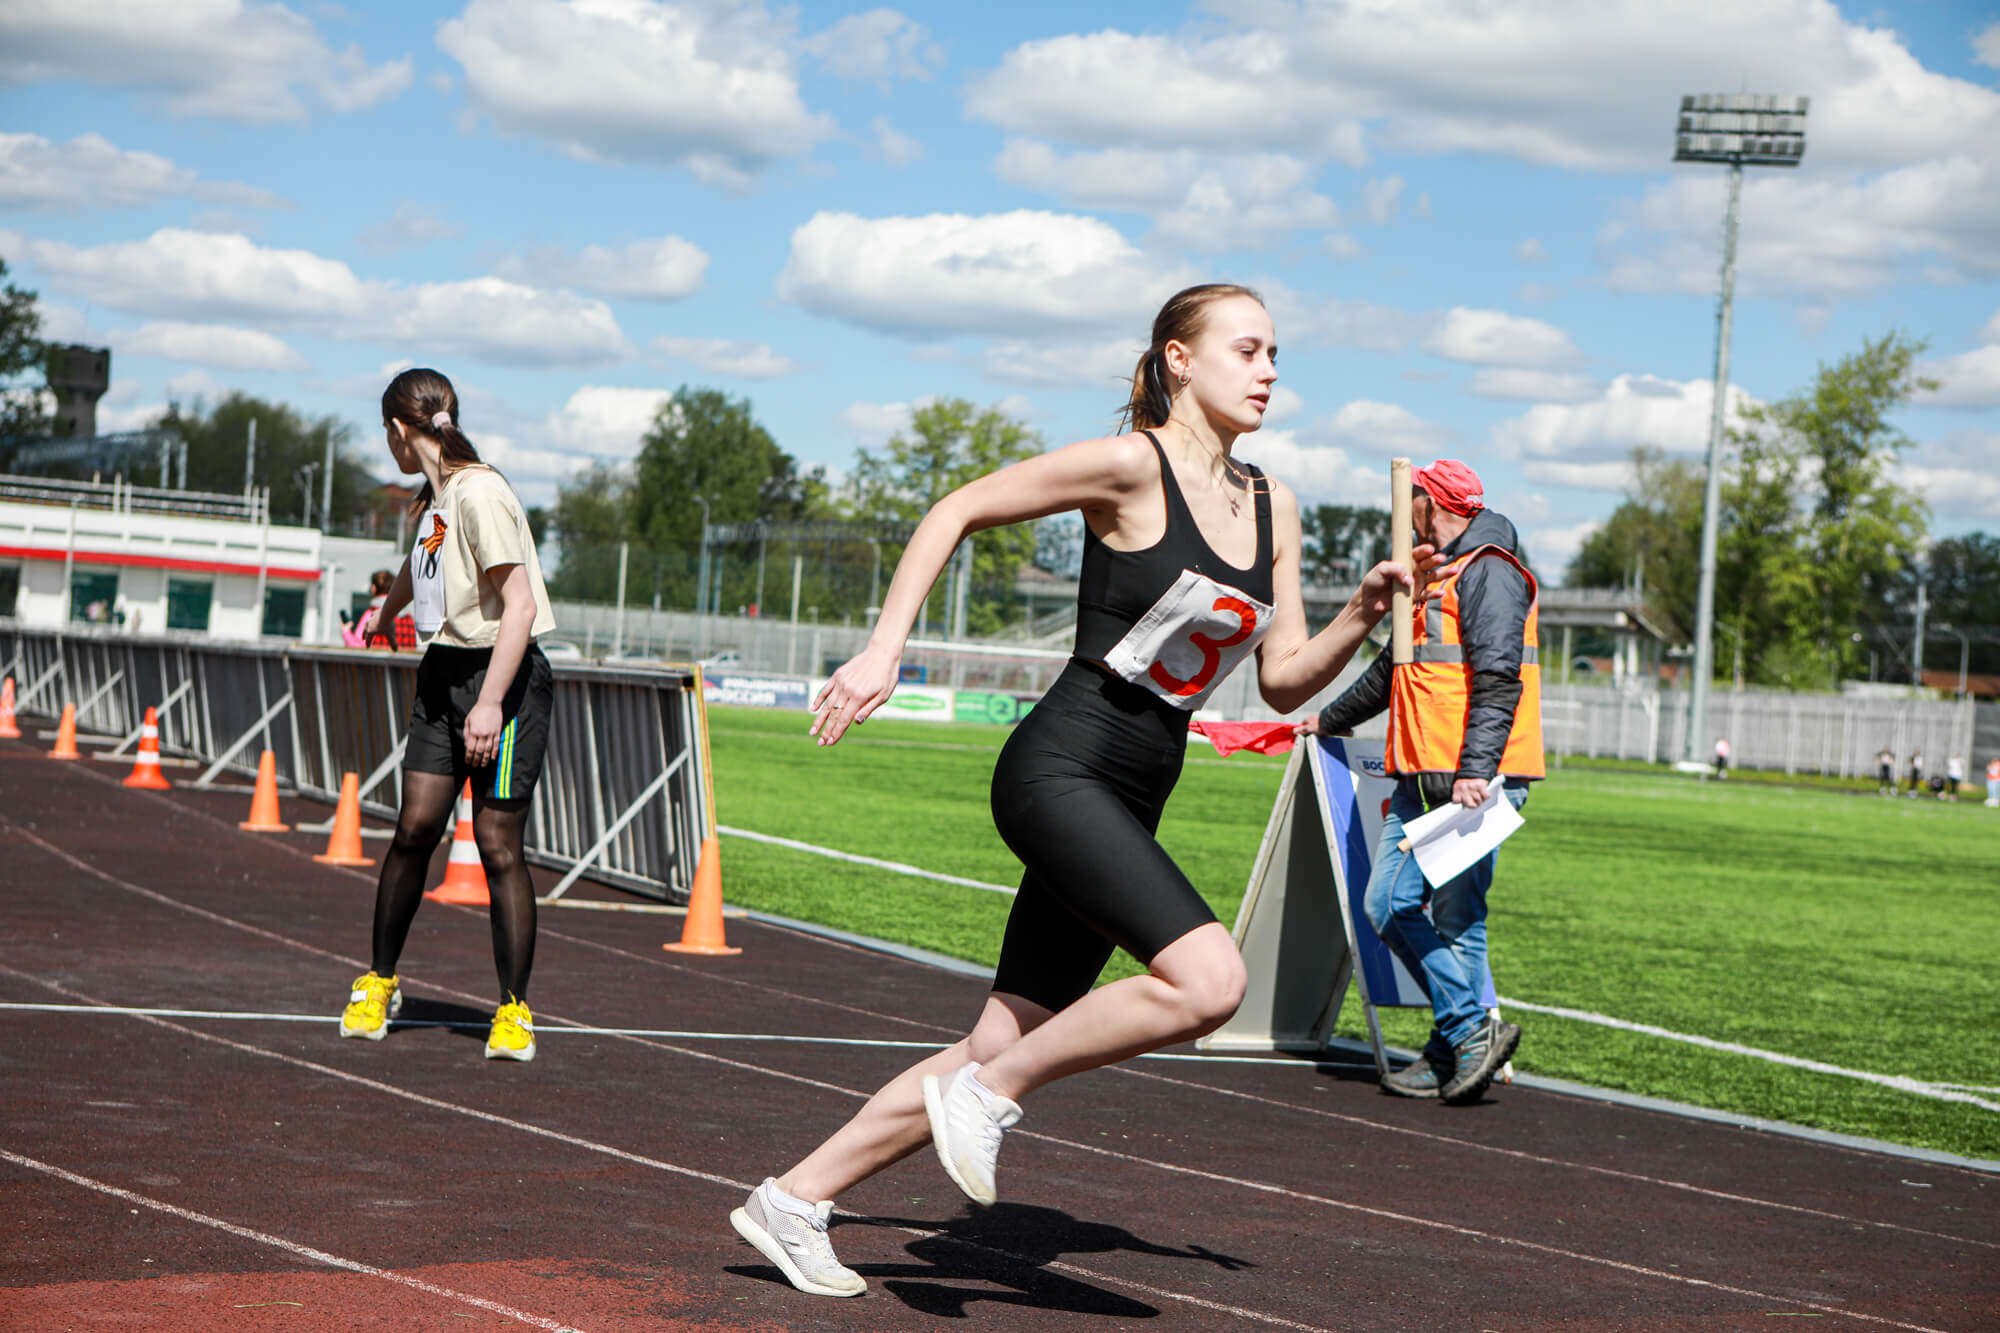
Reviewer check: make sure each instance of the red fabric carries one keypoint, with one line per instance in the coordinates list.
(1453, 485)
(1263, 737)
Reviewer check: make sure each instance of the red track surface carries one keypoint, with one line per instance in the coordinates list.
(249, 1173)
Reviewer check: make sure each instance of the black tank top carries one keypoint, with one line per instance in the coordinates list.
(1175, 617)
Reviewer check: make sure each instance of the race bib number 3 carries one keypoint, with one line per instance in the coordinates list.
(1196, 634)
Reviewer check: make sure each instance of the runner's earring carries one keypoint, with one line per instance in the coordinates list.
(1185, 376)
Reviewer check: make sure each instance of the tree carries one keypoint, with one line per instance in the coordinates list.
(1961, 577)
(1814, 521)
(590, 518)
(705, 444)
(288, 444)
(1342, 541)
(23, 408)
(1652, 540)
(949, 443)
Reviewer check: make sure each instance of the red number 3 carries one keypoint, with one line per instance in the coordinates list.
(1211, 657)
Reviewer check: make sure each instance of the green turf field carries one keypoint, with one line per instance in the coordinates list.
(1847, 929)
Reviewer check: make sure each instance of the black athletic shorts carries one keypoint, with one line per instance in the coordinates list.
(1077, 795)
(448, 685)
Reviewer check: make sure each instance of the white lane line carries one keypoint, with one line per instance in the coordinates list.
(896, 867)
(550, 1018)
(1899, 1082)
(290, 1247)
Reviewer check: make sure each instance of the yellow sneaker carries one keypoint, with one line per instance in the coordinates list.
(513, 1033)
(374, 1001)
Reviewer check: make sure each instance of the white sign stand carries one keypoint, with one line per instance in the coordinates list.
(1302, 928)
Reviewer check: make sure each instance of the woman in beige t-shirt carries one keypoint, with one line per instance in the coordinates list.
(483, 701)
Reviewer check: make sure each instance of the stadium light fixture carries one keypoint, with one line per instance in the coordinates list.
(1739, 130)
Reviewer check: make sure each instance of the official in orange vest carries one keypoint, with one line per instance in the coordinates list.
(1466, 712)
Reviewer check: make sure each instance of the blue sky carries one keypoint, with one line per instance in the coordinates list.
(1463, 215)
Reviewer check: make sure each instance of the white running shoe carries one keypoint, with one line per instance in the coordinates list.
(966, 1131)
(797, 1245)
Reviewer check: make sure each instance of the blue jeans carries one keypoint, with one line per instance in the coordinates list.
(1446, 950)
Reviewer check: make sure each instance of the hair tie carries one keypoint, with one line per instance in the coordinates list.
(439, 420)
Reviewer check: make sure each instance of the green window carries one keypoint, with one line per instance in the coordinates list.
(187, 603)
(285, 612)
(93, 594)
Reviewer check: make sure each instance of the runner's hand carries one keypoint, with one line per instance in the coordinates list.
(482, 734)
(856, 690)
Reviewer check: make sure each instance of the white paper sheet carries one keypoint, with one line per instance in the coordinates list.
(1449, 840)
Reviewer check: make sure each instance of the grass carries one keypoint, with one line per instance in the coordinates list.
(1817, 923)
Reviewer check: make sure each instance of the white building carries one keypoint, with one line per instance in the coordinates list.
(156, 560)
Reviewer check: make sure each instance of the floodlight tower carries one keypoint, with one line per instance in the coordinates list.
(1740, 129)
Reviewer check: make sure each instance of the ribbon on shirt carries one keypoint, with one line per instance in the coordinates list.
(1261, 737)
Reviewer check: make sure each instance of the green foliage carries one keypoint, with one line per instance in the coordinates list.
(1654, 538)
(1817, 924)
(949, 443)
(1962, 584)
(23, 412)
(287, 442)
(1813, 520)
(1342, 542)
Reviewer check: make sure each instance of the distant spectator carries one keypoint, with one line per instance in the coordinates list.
(1916, 787)
(1993, 783)
(1954, 775)
(379, 585)
(1722, 756)
(1885, 771)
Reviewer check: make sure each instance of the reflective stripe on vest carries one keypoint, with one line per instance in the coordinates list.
(1430, 696)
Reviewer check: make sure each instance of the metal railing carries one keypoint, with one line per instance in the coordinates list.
(621, 787)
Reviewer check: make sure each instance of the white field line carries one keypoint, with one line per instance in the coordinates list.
(1947, 1092)
(290, 1247)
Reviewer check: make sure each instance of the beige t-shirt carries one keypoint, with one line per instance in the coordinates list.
(475, 524)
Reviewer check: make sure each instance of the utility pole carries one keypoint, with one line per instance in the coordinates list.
(250, 459)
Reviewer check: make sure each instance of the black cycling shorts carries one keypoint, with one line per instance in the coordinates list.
(1077, 795)
(448, 685)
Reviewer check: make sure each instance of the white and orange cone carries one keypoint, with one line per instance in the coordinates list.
(343, 844)
(464, 877)
(9, 728)
(66, 736)
(146, 767)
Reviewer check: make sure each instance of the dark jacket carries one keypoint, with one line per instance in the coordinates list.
(1493, 604)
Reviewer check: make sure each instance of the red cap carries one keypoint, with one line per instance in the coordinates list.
(1453, 485)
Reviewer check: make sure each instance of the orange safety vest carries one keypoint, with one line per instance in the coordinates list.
(1430, 696)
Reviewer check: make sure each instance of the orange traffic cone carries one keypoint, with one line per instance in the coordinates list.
(146, 768)
(66, 736)
(264, 801)
(9, 728)
(343, 845)
(464, 878)
(703, 931)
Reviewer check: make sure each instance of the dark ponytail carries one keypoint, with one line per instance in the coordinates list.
(424, 401)
(1179, 320)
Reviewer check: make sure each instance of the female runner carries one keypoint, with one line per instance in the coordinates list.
(481, 711)
(1190, 564)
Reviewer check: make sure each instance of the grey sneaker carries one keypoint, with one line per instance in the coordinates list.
(1419, 1078)
(1479, 1057)
(966, 1134)
(797, 1245)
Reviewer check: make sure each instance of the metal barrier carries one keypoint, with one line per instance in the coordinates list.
(621, 788)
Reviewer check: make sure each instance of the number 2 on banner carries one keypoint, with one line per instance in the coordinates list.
(1210, 650)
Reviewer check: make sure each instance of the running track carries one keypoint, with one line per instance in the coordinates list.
(223, 1173)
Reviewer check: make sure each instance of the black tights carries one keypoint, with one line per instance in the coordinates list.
(428, 801)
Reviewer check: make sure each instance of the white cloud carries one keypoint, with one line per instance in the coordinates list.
(720, 356)
(1550, 549)
(1363, 324)
(1384, 428)
(1284, 403)
(664, 269)
(411, 225)
(195, 384)
(1058, 364)
(605, 421)
(1341, 246)
(201, 277)
(1323, 463)
(1531, 251)
(217, 345)
(1535, 386)
(947, 274)
(233, 59)
(1956, 474)
(1202, 201)
(1380, 200)
(706, 86)
(871, 425)
(1589, 444)
(897, 148)
(1492, 338)
(1986, 47)
(1970, 379)
(878, 47)
(90, 171)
